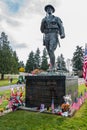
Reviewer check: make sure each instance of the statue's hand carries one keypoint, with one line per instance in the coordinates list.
(62, 36)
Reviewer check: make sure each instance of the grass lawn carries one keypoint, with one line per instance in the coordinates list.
(5, 82)
(7, 95)
(25, 120)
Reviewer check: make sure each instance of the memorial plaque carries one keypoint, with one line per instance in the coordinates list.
(41, 89)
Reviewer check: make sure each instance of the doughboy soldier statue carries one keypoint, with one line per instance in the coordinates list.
(51, 27)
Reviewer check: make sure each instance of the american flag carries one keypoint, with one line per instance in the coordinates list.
(85, 66)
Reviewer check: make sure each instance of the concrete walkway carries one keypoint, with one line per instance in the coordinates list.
(3, 88)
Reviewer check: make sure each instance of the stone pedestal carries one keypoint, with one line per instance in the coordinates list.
(41, 89)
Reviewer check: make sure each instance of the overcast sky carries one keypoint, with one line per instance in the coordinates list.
(21, 19)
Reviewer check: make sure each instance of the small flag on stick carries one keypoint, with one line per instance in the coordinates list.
(85, 66)
(52, 105)
(0, 101)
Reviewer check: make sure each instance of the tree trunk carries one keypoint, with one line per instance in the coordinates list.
(2, 76)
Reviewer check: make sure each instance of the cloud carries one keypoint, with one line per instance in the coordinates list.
(13, 5)
(10, 21)
(6, 18)
(15, 44)
(19, 45)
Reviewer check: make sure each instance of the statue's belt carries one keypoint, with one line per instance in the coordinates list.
(51, 30)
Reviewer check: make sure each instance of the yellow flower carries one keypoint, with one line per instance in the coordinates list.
(21, 69)
(1, 109)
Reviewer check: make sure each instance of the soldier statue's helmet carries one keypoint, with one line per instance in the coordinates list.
(50, 7)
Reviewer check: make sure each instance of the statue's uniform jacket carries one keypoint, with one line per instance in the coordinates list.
(52, 26)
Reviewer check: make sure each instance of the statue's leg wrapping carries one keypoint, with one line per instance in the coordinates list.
(52, 48)
(52, 58)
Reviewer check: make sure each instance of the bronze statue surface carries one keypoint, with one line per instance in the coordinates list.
(51, 27)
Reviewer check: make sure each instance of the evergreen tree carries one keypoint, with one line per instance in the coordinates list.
(15, 63)
(77, 59)
(37, 58)
(7, 59)
(44, 64)
(21, 64)
(30, 64)
(61, 63)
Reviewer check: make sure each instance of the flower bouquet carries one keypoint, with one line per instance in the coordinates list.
(65, 107)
